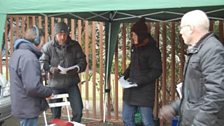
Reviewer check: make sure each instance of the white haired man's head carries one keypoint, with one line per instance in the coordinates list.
(194, 25)
(197, 18)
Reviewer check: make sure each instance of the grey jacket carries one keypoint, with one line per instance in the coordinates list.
(66, 56)
(203, 87)
(27, 91)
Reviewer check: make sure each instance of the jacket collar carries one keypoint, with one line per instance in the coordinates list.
(195, 49)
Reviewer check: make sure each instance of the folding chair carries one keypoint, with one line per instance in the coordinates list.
(60, 122)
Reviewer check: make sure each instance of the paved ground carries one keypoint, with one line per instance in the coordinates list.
(14, 122)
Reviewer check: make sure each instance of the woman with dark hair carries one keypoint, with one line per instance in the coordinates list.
(144, 69)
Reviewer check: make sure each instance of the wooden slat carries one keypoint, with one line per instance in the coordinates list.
(52, 28)
(46, 28)
(211, 25)
(40, 22)
(221, 31)
(157, 91)
(123, 47)
(80, 42)
(79, 31)
(87, 68)
(116, 83)
(101, 69)
(66, 20)
(59, 19)
(11, 30)
(17, 27)
(94, 68)
(164, 86)
(182, 57)
(173, 61)
(73, 29)
(23, 24)
(164, 55)
(33, 20)
(27, 22)
(124, 54)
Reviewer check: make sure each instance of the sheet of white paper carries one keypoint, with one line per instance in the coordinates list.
(65, 70)
(125, 84)
(179, 89)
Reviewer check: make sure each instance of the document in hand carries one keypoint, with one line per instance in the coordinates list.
(65, 70)
(125, 84)
(179, 89)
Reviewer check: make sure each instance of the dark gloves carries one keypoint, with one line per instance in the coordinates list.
(54, 70)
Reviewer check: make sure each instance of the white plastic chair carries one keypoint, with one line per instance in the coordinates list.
(64, 103)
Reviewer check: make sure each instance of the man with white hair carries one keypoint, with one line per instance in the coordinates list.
(202, 102)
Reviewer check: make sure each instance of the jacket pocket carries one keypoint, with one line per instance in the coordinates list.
(195, 63)
(194, 81)
(43, 105)
(189, 112)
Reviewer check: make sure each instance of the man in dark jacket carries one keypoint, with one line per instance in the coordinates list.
(202, 102)
(27, 90)
(58, 56)
(144, 69)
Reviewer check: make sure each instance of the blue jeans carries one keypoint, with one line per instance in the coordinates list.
(129, 111)
(75, 102)
(29, 122)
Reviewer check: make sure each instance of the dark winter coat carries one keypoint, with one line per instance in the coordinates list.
(66, 56)
(27, 91)
(203, 87)
(144, 69)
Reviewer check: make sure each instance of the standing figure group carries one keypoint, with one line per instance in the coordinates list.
(28, 93)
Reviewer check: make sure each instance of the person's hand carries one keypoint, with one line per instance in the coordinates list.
(167, 113)
(125, 84)
(54, 70)
(48, 98)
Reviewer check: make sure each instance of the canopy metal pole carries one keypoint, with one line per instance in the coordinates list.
(106, 90)
(2, 26)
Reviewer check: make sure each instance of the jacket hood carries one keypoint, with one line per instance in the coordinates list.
(194, 49)
(25, 44)
(141, 30)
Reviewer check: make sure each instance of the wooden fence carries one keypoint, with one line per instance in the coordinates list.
(91, 36)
